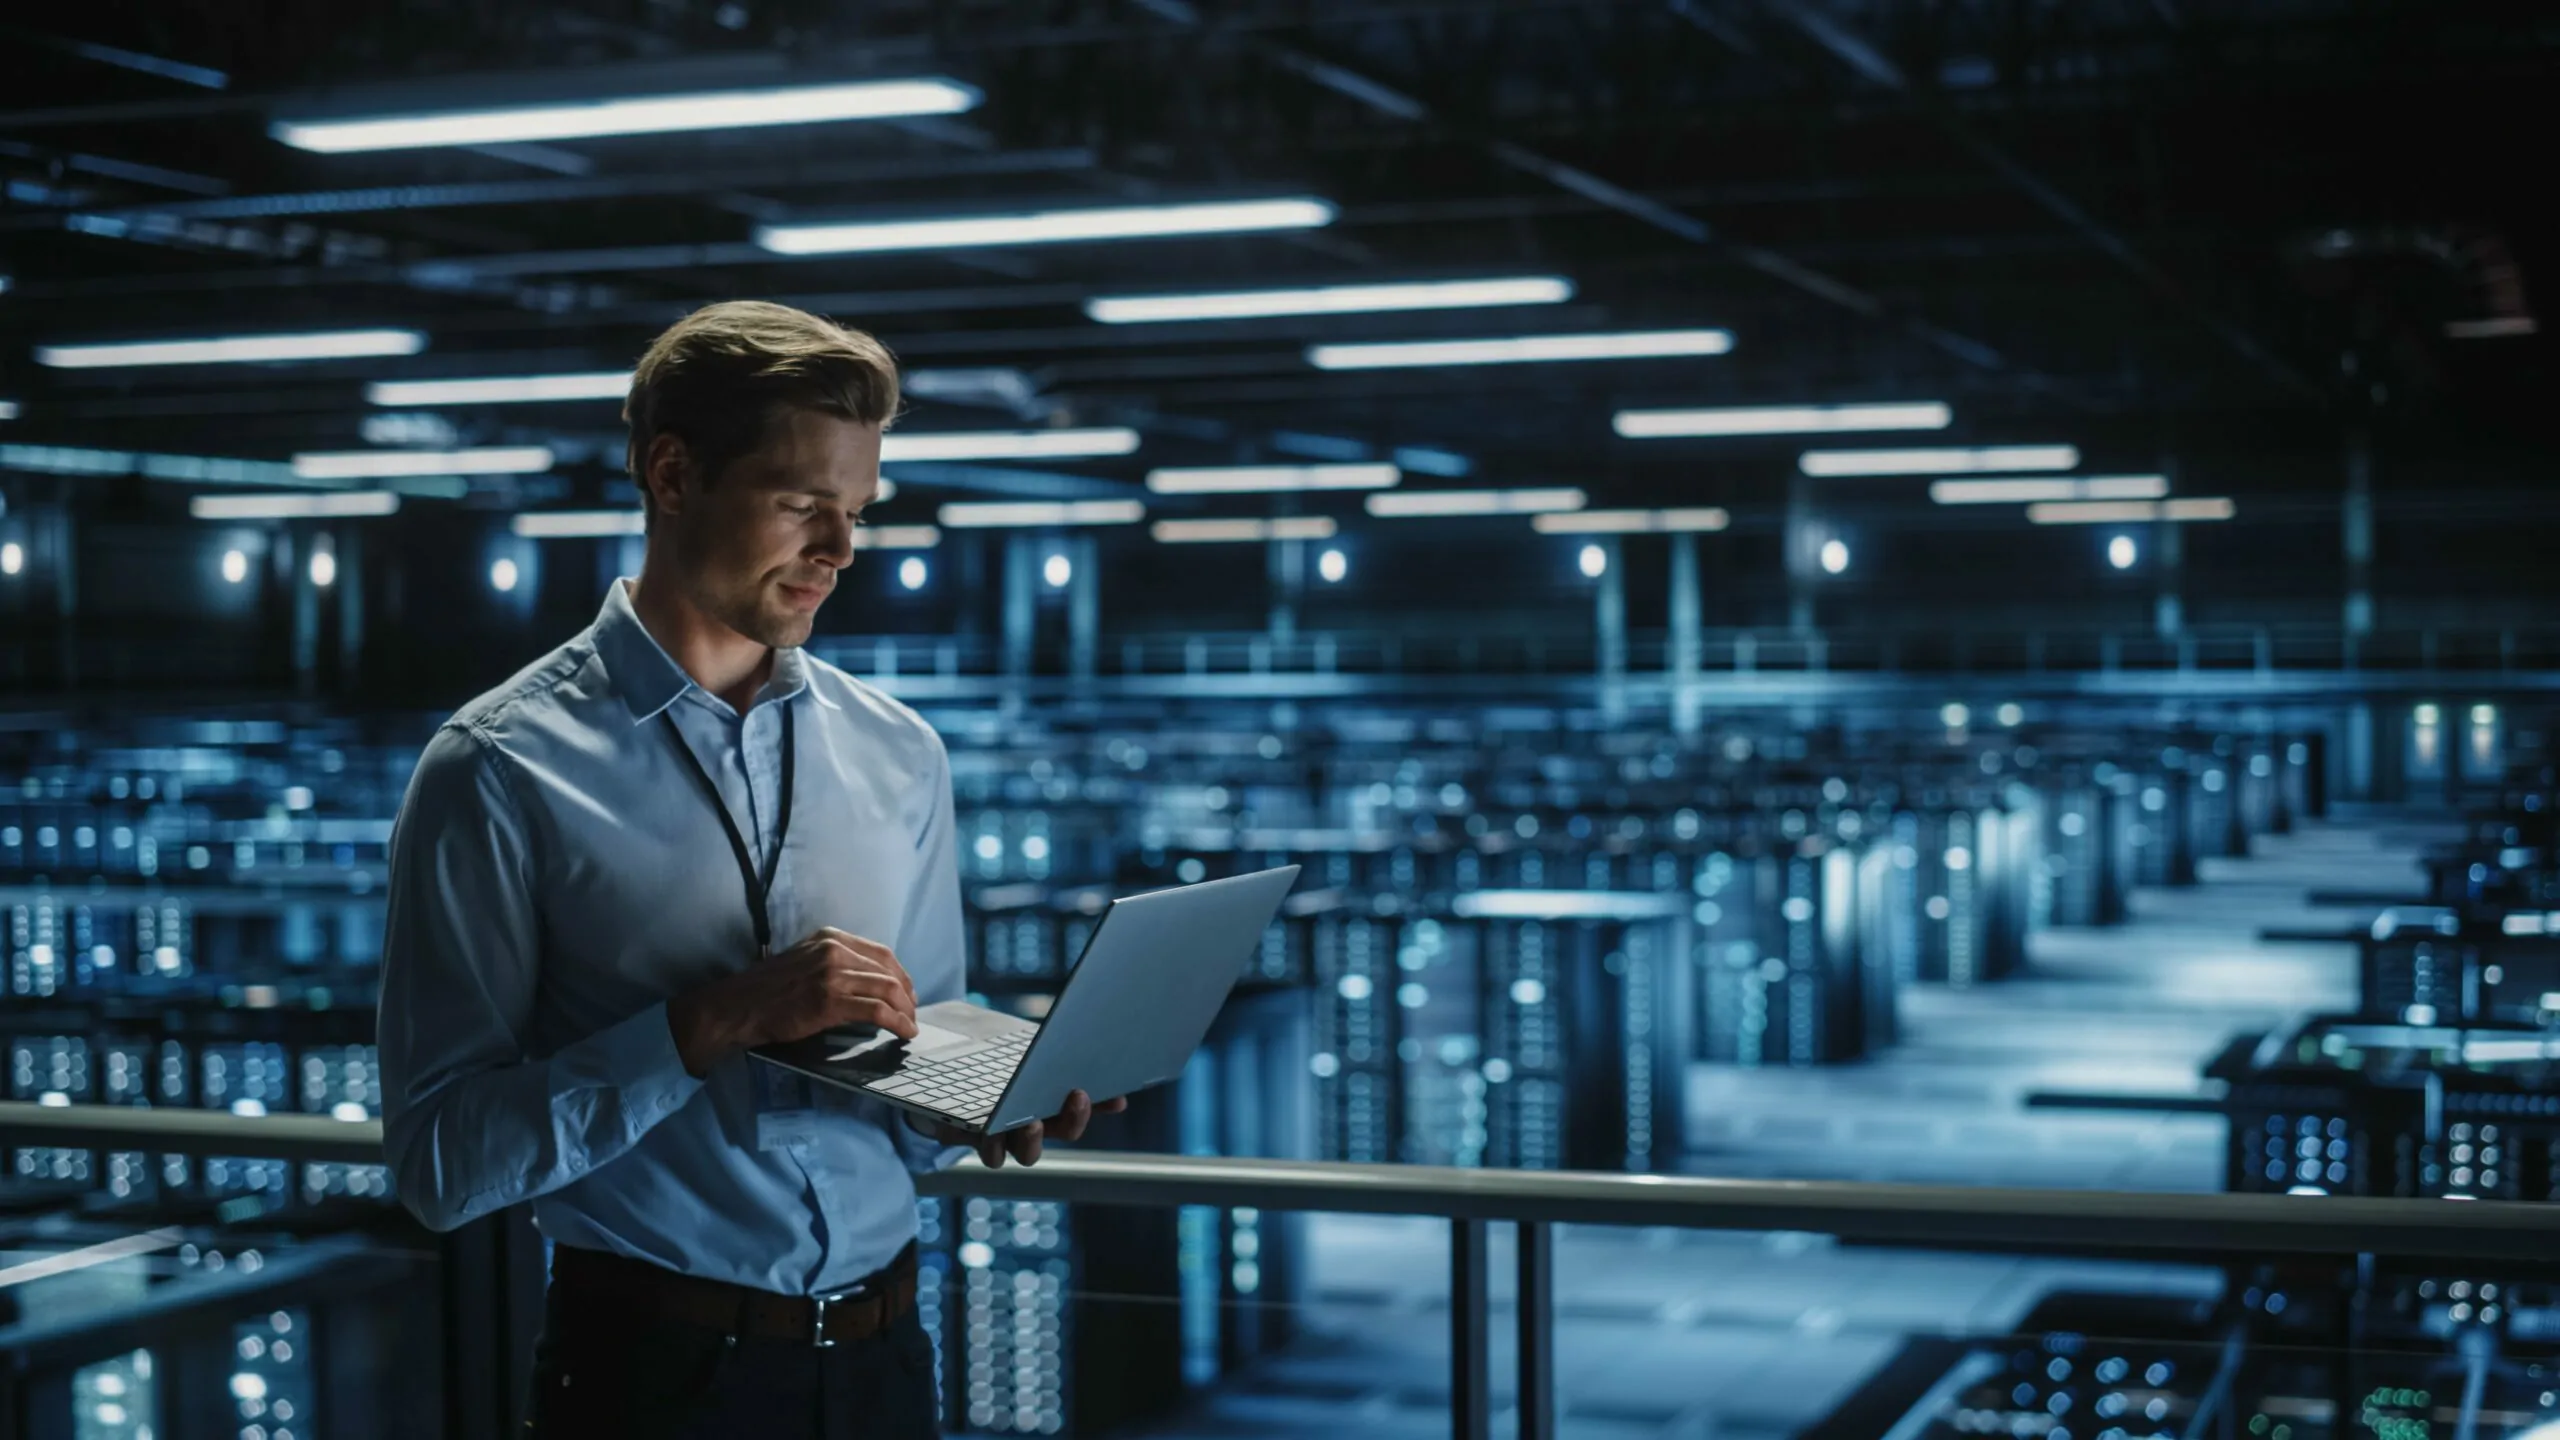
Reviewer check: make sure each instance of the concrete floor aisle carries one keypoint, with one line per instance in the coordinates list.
(1676, 1335)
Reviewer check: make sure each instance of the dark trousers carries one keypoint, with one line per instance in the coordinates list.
(602, 1372)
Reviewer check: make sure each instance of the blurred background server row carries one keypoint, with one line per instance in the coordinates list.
(1822, 590)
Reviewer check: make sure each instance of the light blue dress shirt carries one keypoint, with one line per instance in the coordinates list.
(557, 876)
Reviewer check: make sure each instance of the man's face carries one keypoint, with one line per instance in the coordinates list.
(760, 548)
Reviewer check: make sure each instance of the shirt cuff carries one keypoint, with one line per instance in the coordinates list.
(637, 1059)
(923, 1154)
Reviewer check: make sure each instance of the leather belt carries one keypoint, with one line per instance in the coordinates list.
(858, 1312)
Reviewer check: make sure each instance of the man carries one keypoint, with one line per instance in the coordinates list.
(674, 838)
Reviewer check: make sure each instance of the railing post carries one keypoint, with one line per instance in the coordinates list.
(1538, 1400)
(1470, 1338)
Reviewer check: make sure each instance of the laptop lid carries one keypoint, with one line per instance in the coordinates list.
(1152, 978)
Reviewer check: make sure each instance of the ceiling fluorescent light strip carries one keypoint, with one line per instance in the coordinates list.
(999, 514)
(1270, 479)
(1700, 519)
(631, 115)
(1210, 532)
(234, 349)
(1521, 350)
(2002, 459)
(2031, 489)
(1331, 300)
(379, 464)
(1010, 445)
(896, 537)
(1048, 227)
(185, 469)
(335, 505)
(1781, 420)
(577, 524)
(502, 389)
(1419, 504)
(2495, 327)
(2121, 512)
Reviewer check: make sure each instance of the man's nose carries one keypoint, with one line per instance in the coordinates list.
(834, 545)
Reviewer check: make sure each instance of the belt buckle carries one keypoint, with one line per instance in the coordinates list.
(818, 1315)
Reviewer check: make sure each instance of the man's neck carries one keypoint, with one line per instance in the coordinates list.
(719, 659)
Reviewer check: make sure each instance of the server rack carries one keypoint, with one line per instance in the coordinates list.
(1627, 1016)
(1357, 1034)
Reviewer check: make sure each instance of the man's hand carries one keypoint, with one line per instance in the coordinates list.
(827, 982)
(1023, 1142)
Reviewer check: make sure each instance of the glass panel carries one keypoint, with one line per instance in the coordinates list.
(1197, 1321)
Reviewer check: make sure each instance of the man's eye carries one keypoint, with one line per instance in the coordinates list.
(790, 509)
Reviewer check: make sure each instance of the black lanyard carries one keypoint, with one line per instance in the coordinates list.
(759, 883)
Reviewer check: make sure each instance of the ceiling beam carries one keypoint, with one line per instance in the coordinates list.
(1400, 104)
(1854, 52)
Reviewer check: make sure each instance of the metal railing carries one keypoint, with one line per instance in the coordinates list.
(2183, 1228)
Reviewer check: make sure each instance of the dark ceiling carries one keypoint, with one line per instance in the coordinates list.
(2217, 235)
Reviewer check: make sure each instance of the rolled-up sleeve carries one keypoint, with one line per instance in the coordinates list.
(933, 939)
(472, 1122)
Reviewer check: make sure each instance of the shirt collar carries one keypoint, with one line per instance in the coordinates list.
(649, 679)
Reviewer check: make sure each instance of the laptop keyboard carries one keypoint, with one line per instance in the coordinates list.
(966, 1087)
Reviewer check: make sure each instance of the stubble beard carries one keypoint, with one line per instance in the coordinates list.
(762, 617)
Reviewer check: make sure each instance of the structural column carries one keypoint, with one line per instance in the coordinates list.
(1803, 548)
(1084, 610)
(1684, 634)
(351, 609)
(2356, 527)
(2169, 610)
(1612, 618)
(306, 606)
(1020, 560)
(1287, 561)
(66, 590)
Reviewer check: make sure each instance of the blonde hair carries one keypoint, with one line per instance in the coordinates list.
(717, 377)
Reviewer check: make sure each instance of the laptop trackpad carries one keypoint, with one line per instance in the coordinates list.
(932, 1042)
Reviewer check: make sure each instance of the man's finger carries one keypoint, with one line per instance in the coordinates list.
(871, 950)
(1112, 1106)
(1026, 1143)
(844, 989)
(878, 1014)
(1070, 1122)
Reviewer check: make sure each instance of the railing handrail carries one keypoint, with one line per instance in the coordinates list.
(2168, 1225)
(312, 1138)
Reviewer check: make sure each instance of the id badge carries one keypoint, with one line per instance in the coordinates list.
(786, 1108)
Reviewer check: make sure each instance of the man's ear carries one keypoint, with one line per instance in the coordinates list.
(662, 472)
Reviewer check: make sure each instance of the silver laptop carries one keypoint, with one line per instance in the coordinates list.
(1138, 1002)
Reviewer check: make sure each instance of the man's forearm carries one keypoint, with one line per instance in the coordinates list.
(485, 1140)
(704, 1033)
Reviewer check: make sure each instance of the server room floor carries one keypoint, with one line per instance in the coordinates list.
(1673, 1335)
